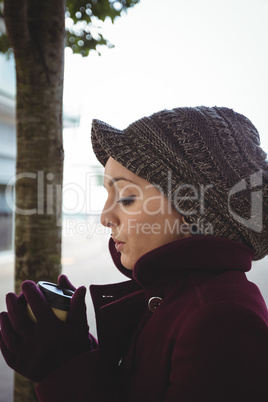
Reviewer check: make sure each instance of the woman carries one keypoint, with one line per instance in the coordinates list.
(187, 208)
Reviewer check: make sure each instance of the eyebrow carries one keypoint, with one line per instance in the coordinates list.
(116, 179)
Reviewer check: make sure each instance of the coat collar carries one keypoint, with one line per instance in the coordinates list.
(122, 308)
(196, 254)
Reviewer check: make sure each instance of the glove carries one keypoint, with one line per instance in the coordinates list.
(36, 349)
(64, 282)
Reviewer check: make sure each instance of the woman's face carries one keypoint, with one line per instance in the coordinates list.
(141, 218)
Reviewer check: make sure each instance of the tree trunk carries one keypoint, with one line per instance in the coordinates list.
(36, 31)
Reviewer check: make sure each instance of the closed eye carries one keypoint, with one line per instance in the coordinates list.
(126, 201)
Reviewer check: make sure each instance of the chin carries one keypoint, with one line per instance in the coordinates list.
(127, 264)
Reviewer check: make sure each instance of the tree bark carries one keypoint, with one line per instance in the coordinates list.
(36, 30)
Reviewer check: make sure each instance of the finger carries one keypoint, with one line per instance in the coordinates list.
(10, 337)
(37, 301)
(22, 299)
(64, 282)
(78, 309)
(18, 314)
(8, 356)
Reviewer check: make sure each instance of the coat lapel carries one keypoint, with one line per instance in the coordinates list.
(119, 308)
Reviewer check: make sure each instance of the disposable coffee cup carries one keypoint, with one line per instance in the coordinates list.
(57, 297)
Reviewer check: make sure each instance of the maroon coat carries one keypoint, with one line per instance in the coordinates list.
(206, 340)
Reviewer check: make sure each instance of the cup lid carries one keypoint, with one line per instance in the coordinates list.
(56, 296)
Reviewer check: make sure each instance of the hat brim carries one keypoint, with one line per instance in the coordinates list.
(108, 141)
(128, 147)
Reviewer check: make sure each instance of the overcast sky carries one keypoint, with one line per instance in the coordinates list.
(175, 53)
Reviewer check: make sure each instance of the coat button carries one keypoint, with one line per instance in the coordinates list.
(154, 302)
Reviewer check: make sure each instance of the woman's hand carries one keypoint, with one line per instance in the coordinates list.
(64, 282)
(36, 349)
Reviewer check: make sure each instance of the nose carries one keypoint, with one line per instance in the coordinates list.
(106, 222)
(108, 218)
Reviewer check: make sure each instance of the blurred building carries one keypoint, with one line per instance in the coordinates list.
(7, 146)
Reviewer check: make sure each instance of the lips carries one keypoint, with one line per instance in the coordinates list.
(119, 245)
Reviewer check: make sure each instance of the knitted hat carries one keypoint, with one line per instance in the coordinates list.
(206, 160)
